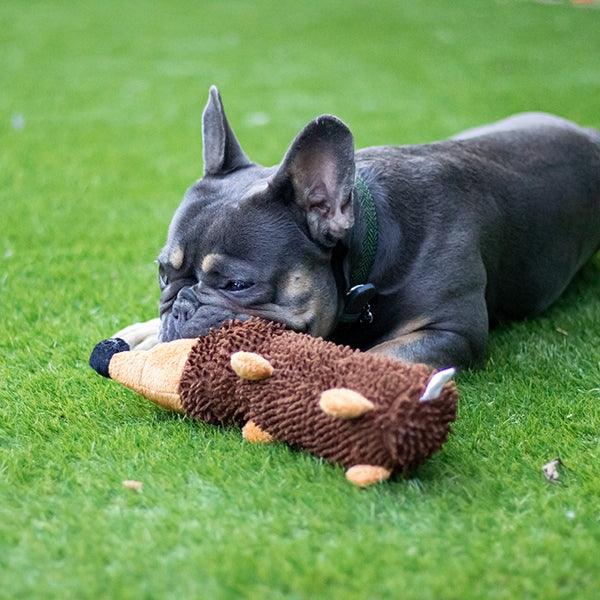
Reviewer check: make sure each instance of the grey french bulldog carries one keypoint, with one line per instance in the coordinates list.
(412, 251)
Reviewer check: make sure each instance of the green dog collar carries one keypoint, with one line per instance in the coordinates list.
(361, 271)
(357, 301)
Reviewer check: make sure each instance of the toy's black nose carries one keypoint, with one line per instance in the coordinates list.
(104, 351)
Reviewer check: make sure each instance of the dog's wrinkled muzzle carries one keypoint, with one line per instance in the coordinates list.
(189, 318)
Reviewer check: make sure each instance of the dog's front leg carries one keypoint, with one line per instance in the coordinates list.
(140, 336)
(436, 348)
(445, 316)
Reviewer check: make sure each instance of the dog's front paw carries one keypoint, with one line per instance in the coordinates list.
(140, 336)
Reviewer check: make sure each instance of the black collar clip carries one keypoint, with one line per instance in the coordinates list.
(357, 308)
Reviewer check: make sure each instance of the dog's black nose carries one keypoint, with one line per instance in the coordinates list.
(185, 305)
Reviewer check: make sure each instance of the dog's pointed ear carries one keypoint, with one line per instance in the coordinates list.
(221, 151)
(318, 170)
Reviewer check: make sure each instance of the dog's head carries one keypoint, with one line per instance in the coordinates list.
(254, 241)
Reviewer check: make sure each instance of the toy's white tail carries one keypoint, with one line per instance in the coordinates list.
(436, 383)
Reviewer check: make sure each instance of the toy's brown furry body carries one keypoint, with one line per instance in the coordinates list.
(398, 433)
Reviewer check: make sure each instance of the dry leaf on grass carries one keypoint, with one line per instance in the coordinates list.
(132, 484)
(550, 470)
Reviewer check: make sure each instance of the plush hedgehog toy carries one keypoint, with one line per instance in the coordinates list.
(371, 414)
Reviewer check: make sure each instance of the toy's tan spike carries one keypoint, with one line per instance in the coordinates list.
(344, 403)
(365, 475)
(251, 432)
(154, 373)
(251, 366)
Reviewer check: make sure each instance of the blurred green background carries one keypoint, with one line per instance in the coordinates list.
(100, 109)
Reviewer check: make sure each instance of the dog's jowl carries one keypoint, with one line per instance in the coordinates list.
(453, 235)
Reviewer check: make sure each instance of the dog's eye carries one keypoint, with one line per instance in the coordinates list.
(237, 285)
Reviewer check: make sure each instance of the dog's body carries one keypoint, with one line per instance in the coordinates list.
(492, 224)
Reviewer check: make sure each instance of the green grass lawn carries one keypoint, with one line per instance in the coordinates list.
(100, 108)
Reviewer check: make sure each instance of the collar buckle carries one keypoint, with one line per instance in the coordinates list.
(357, 306)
